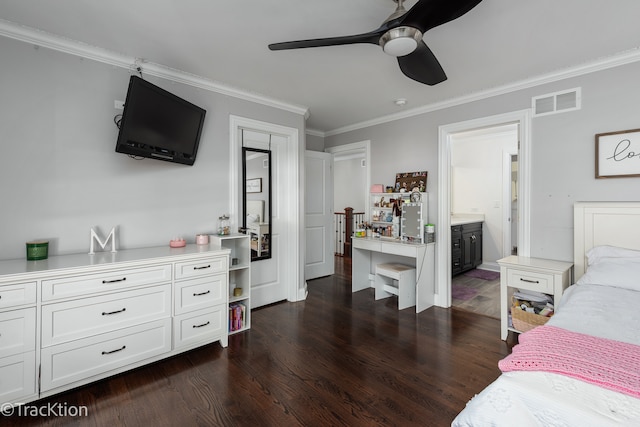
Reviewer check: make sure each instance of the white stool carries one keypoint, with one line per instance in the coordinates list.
(396, 279)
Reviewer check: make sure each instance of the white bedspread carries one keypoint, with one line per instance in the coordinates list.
(545, 399)
(601, 311)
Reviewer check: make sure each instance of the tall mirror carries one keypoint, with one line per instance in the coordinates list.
(256, 196)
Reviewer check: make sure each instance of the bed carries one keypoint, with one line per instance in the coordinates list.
(583, 367)
(256, 225)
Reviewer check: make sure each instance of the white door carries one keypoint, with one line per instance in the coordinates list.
(267, 275)
(318, 215)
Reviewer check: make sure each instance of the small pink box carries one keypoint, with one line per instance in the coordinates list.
(377, 188)
(202, 239)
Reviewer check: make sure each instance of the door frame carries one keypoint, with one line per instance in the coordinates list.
(288, 191)
(507, 197)
(443, 229)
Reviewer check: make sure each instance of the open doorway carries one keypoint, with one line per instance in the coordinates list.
(482, 208)
(351, 183)
(446, 136)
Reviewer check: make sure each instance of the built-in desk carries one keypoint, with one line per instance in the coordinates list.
(369, 251)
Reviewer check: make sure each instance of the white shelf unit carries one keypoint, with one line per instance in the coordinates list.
(239, 276)
(380, 211)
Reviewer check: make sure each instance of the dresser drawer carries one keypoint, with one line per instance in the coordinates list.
(17, 331)
(530, 280)
(68, 287)
(71, 320)
(204, 292)
(200, 326)
(80, 360)
(18, 294)
(199, 268)
(17, 377)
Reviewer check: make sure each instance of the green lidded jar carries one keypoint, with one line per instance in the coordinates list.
(37, 250)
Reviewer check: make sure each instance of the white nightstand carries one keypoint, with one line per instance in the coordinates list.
(534, 274)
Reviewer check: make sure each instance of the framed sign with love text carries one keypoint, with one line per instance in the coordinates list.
(618, 154)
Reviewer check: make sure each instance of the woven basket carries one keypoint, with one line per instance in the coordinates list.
(525, 321)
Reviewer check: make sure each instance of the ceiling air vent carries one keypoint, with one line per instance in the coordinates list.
(558, 102)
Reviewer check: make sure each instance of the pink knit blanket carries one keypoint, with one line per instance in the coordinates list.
(608, 363)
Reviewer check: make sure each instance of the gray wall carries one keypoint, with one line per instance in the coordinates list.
(563, 154)
(349, 179)
(314, 142)
(59, 170)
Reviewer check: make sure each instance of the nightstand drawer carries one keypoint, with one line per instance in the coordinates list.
(530, 280)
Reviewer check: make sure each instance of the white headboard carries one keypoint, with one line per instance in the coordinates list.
(603, 223)
(256, 207)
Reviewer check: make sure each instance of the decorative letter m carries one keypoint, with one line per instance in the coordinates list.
(94, 237)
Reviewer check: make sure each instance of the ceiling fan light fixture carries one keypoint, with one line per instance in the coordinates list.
(400, 41)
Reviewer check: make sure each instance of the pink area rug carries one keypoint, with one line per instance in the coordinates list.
(483, 274)
(462, 293)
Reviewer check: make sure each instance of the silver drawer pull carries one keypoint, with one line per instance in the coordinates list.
(115, 351)
(115, 281)
(113, 312)
(202, 268)
(529, 281)
(201, 293)
(200, 326)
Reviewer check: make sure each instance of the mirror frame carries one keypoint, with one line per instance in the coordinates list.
(244, 197)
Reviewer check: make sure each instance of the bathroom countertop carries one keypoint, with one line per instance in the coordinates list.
(459, 219)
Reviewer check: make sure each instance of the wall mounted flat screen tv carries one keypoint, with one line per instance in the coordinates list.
(159, 125)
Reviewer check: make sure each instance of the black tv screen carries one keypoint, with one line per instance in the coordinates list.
(158, 124)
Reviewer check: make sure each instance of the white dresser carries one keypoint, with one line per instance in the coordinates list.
(73, 319)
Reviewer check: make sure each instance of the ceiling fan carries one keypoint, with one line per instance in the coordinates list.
(400, 35)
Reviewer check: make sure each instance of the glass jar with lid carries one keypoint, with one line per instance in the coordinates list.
(224, 226)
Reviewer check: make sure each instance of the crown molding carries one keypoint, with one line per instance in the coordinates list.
(73, 47)
(314, 132)
(613, 61)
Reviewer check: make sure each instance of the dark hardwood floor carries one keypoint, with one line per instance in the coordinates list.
(335, 359)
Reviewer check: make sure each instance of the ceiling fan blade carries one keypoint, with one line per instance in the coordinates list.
(422, 66)
(371, 37)
(427, 14)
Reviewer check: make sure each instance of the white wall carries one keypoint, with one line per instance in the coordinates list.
(349, 180)
(61, 175)
(478, 182)
(562, 149)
